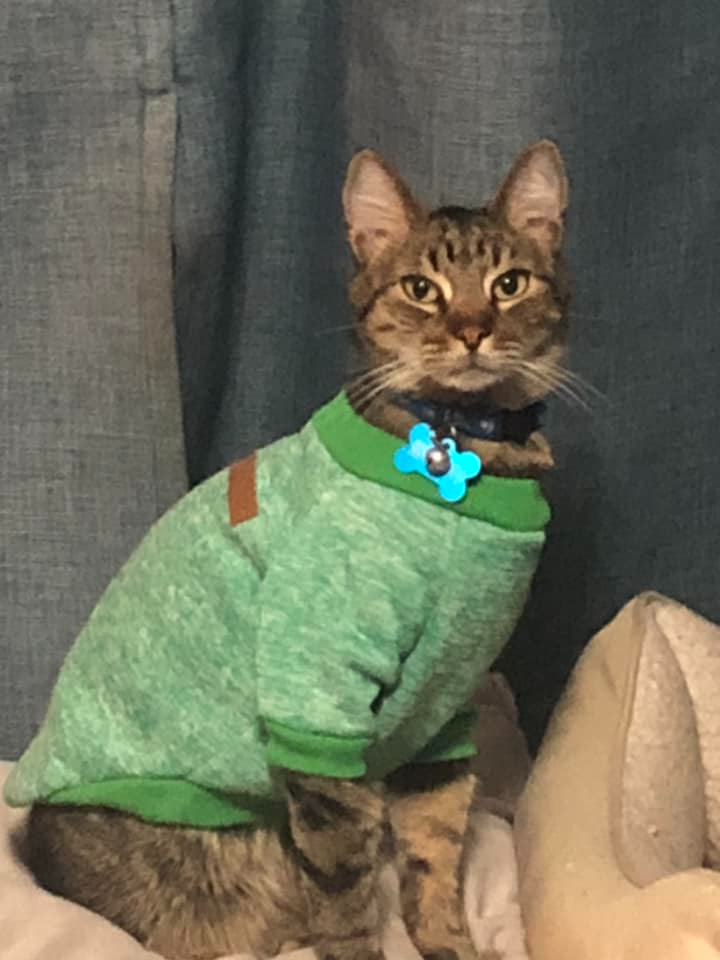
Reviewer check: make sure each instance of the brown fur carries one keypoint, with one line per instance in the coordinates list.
(187, 894)
(197, 894)
(429, 810)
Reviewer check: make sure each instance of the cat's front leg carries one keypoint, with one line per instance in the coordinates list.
(429, 807)
(336, 832)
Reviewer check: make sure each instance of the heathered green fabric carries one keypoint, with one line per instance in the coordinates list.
(339, 632)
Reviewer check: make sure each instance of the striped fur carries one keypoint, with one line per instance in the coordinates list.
(429, 809)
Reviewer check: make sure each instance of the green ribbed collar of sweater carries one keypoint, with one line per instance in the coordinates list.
(366, 451)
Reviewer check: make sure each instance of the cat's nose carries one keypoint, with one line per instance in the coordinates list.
(472, 335)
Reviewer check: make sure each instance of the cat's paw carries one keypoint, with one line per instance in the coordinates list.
(456, 949)
(450, 953)
(352, 948)
(343, 955)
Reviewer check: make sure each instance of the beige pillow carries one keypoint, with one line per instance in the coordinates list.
(621, 812)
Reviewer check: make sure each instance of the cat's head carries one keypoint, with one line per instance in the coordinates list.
(462, 301)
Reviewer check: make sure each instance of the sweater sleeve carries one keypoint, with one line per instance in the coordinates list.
(453, 741)
(333, 619)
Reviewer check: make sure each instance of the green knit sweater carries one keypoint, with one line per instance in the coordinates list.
(331, 616)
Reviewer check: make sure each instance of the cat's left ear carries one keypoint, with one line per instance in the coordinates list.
(534, 196)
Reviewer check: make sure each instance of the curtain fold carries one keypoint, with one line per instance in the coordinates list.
(91, 447)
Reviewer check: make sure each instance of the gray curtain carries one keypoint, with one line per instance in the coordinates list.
(223, 127)
(90, 430)
(283, 92)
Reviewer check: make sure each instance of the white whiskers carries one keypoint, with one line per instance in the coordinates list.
(545, 375)
(394, 375)
(554, 378)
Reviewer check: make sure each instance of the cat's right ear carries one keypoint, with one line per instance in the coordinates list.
(534, 196)
(380, 211)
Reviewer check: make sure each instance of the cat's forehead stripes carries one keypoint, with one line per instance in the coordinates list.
(431, 268)
(461, 239)
(450, 237)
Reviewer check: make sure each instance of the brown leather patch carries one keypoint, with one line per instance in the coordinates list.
(242, 491)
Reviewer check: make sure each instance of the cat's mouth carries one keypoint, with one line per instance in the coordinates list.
(475, 370)
(471, 375)
(471, 362)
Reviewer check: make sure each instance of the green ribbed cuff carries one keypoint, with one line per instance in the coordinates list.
(316, 753)
(453, 742)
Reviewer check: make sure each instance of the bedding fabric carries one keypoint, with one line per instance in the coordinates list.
(617, 829)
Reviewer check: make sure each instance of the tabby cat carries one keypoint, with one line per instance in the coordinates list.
(461, 310)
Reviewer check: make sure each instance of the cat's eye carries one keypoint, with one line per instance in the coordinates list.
(511, 284)
(420, 289)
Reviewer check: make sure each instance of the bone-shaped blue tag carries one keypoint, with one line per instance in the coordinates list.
(439, 461)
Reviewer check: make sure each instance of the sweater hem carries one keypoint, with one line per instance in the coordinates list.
(172, 801)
